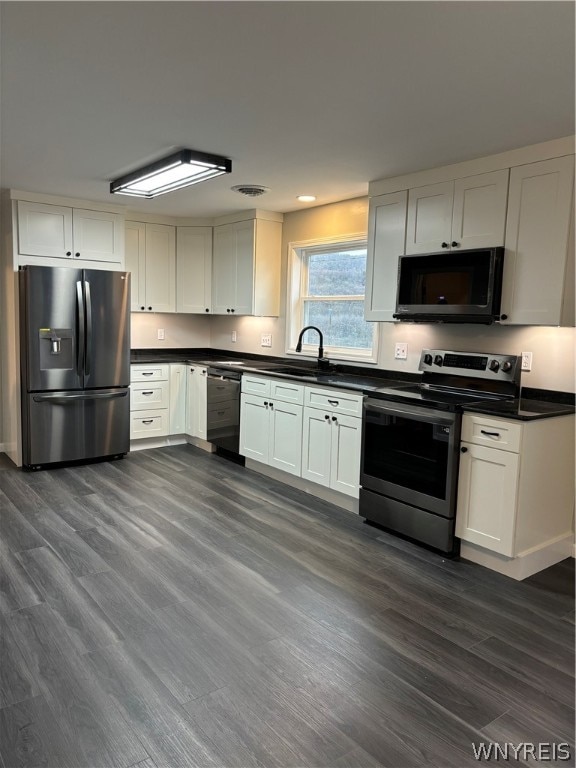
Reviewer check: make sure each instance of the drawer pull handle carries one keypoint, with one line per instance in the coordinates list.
(334, 402)
(490, 434)
(221, 413)
(148, 392)
(147, 421)
(147, 373)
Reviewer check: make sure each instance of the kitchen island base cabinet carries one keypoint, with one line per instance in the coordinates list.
(516, 493)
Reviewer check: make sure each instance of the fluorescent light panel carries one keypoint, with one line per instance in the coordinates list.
(181, 169)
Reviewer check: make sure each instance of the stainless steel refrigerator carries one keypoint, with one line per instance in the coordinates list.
(75, 364)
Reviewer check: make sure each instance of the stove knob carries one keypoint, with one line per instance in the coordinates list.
(428, 359)
(438, 360)
(494, 366)
(507, 366)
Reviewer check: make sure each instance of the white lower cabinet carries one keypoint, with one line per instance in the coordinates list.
(516, 483)
(332, 439)
(196, 401)
(177, 398)
(271, 423)
(149, 401)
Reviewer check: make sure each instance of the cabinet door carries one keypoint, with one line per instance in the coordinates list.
(386, 241)
(98, 236)
(479, 214)
(177, 401)
(254, 427)
(224, 270)
(316, 443)
(285, 446)
(429, 217)
(194, 269)
(44, 230)
(245, 245)
(160, 268)
(196, 405)
(345, 454)
(537, 252)
(135, 255)
(487, 495)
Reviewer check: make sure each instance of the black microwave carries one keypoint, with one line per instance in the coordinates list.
(450, 286)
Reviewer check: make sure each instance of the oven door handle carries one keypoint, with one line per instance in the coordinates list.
(428, 415)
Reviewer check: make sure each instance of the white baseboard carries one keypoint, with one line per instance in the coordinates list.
(326, 494)
(525, 565)
(2, 448)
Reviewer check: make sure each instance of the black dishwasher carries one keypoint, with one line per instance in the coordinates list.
(223, 401)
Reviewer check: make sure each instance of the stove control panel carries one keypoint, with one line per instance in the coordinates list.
(475, 364)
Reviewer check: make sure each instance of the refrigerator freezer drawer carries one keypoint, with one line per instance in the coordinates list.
(72, 426)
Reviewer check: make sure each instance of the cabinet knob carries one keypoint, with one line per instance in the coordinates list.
(150, 309)
(68, 253)
(463, 450)
(207, 310)
(454, 244)
(266, 403)
(503, 317)
(142, 307)
(327, 417)
(334, 418)
(445, 245)
(232, 310)
(227, 310)
(77, 254)
(272, 406)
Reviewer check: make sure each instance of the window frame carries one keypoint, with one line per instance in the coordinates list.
(295, 299)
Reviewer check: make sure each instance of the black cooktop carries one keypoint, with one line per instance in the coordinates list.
(432, 398)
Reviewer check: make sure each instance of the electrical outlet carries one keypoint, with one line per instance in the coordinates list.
(266, 340)
(401, 351)
(526, 361)
(160, 334)
(234, 336)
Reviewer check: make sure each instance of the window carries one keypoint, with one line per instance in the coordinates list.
(327, 286)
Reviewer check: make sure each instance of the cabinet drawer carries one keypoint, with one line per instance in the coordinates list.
(287, 391)
(255, 385)
(144, 397)
(497, 433)
(333, 400)
(223, 414)
(148, 424)
(148, 372)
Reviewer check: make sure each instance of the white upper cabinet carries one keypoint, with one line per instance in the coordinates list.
(194, 270)
(538, 284)
(60, 232)
(151, 257)
(466, 213)
(246, 268)
(386, 241)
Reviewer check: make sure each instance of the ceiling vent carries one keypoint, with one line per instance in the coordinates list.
(251, 190)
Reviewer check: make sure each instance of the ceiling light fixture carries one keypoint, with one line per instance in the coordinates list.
(180, 169)
(306, 198)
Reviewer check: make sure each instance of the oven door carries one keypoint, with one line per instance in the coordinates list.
(410, 453)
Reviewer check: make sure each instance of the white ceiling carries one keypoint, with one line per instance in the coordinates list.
(304, 97)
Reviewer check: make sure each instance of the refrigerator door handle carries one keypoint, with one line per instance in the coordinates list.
(81, 329)
(64, 399)
(88, 358)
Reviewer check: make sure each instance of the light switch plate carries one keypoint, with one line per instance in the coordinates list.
(401, 351)
(234, 336)
(161, 335)
(266, 340)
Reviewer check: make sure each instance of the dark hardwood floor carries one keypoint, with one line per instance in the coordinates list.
(175, 609)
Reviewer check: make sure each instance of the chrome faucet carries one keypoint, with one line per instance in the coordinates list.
(323, 362)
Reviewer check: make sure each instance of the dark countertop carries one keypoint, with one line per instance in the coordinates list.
(536, 404)
(522, 409)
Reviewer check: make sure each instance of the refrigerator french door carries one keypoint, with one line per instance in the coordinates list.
(75, 364)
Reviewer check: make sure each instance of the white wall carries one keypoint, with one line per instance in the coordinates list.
(553, 349)
(180, 331)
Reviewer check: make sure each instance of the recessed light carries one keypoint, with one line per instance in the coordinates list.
(306, 198)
